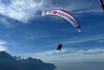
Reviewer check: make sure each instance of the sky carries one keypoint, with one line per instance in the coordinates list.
(25, 32)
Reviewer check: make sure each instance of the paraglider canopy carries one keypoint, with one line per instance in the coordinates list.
(64, 14)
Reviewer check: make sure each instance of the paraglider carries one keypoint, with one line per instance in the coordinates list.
(102, 4)
(59, 47)
(63, 14)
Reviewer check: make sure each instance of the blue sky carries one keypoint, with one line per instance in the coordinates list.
(24, 32)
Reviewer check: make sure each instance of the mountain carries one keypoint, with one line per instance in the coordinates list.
(8, 62)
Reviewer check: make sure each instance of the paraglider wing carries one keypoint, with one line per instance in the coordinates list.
(102, 4)
(64, 14)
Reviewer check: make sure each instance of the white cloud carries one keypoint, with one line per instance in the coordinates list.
(73, 51)
(74, 6)
(6, 22)
(3, 48)
(51, 52)
(22, 10)
(2, 45)
(2, 42)
(77, 40)
(72, 55)
(25, 10)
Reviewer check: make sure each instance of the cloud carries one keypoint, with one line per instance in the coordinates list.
(74, 6)
(51, 52)
(2, 42)
(72, 55)
(22, 10)
(3, 48)
(78, 40)
(7, 22)
(2, 45)
(74, 58)
(73, 51)
(25, 10)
